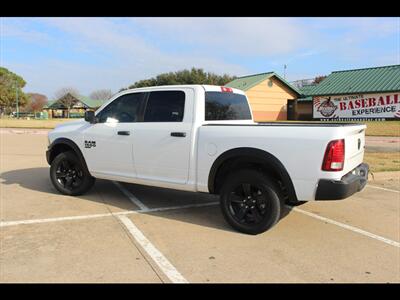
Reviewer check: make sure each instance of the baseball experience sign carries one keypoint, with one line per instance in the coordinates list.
(358, 106)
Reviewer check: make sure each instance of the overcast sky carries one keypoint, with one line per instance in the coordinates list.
(111, 53)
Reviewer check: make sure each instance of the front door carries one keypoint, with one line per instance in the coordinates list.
(109, 142)
(291, 109)
(162, 142)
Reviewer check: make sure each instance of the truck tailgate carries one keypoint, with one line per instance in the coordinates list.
(354, 146)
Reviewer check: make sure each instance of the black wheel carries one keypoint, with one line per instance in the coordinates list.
(250, 201)
(69, 176)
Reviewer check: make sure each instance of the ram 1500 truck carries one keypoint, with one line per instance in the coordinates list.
(202, 138)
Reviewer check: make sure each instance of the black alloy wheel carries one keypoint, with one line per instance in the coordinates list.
(251, 202)
(248, 203)
(69, 176)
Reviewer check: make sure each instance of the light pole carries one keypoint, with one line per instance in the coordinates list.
(16, 94)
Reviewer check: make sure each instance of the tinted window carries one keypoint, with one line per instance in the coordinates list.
(123, 109)
(165, 106)
(226, 106)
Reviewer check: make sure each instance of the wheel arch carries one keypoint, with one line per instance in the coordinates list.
(234, 158)
(60, 145)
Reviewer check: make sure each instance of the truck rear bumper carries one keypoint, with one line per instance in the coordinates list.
(351, 183)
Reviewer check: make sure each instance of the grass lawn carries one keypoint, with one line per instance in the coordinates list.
(382, 161)
(22, 123)
(388, 128)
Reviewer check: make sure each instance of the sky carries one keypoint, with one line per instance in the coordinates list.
(111, 53)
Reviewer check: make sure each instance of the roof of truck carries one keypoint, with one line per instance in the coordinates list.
(206, 87)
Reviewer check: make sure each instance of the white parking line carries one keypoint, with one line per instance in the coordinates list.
(131, 197)
(162, 262)
(48, 220)
(352, 228)
(83, 217)
(381, 188)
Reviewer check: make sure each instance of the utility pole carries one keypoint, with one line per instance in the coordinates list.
(284, 71)
(16, 94)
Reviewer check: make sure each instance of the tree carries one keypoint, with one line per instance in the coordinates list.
(11, 85)
(66, 96)
(318, 79)
(36, 102)
(193, 76)
(65, 90)
(101, 95)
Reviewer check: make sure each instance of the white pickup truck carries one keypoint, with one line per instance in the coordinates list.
(202, 138)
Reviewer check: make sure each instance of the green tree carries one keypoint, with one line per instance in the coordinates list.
(11, 84)
(193, 76)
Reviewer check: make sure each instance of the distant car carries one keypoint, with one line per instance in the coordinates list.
(202, 138)
(22, 115)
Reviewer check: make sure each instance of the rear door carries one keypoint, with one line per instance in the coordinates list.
(162, 143)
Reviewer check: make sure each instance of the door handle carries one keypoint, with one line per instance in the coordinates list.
(178, 134)
(123, 133)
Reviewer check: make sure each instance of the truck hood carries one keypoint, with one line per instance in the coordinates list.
(70, 124)
(68, 127)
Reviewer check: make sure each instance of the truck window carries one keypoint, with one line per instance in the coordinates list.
(124, 109)
(165, 106)
(226, 106)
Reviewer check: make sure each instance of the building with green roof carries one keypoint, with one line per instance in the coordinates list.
(271, 97)
(71, 106)
(368, 93)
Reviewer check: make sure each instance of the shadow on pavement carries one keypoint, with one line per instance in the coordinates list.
(209, 216)
(105, 192)
(38, 179)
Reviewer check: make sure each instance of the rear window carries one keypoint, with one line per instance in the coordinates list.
(226, 106)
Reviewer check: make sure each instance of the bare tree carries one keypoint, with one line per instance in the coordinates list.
(67, 96)
(101, 95)
(65, 90)
(37, 101)
(318, 79)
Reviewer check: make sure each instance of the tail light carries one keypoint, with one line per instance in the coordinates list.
(334, 156)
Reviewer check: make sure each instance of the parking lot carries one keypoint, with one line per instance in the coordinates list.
(130, 233)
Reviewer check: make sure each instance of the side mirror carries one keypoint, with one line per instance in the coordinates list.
(89, 116)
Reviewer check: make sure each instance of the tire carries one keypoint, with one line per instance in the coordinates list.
(69, 176)
(250, 201)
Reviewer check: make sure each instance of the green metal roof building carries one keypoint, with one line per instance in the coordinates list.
(369, 80)
(247, 82)
(80, 104)
(353, 89)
